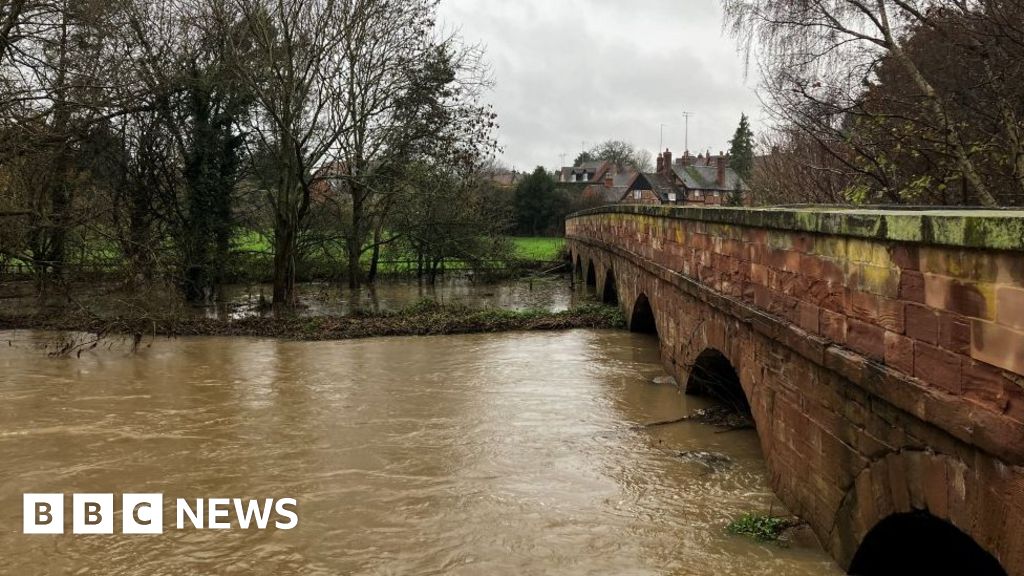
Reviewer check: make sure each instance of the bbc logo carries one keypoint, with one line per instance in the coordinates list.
(144, 513)
(93, 513)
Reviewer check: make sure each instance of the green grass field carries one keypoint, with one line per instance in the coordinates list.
(538, 248)
(255, 252)
(532, 248)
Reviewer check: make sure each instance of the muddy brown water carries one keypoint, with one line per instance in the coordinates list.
(514, 453)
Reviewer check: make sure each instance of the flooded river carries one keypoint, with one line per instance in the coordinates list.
(516, 453)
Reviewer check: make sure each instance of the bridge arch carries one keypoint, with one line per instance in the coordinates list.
(591, 275)
(610, 292)
(712, 374)
(578, 267)
(641, 318)
(920, 508)
(920, 543)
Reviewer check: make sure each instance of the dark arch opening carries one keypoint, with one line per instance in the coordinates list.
(579, 268)
(610, 295)
(591, 276)
(642, 318)
(713, 375)
(919, 543)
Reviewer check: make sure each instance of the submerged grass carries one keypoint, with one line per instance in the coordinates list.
(761, 527)
(425, 317)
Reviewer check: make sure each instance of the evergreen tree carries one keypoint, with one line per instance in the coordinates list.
(537, 203)
(741, 151)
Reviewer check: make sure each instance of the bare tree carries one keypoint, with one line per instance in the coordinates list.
(820, 56)
(410, 95)
(291, 59)
(54, 88)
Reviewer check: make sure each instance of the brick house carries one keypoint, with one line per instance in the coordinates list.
(611, 188)
(586, 172)
(704, 179)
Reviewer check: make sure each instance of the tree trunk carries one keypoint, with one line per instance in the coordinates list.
(375, 259)
(355, 240)
(284, 262)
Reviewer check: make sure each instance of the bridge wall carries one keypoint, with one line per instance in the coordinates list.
(882, 352)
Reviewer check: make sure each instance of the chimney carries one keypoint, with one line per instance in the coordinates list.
(721, 169)
(661, 164)
(668, 160)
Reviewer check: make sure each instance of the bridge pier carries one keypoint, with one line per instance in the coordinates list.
(875, 350)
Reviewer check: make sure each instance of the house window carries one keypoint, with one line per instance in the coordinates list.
(636, 194)
(671, 196)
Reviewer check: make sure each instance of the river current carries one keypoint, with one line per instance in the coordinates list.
(514, 453)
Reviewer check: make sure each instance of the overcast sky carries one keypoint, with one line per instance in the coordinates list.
(574, 71)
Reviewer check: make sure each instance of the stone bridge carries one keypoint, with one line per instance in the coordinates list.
(881, 353)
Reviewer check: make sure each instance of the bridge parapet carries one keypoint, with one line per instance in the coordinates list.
(922, 311)
(938, 295)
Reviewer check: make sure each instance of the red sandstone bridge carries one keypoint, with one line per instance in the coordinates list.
(881, 353)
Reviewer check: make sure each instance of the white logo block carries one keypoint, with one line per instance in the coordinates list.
(142, 513)
(43, 513)
(93, 513)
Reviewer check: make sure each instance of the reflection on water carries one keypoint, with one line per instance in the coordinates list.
(551, 293)
(548, 293)
(478, 454)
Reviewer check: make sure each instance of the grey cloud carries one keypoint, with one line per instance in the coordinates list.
(572, 71)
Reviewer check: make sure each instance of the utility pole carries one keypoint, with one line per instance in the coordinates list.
(686, 117)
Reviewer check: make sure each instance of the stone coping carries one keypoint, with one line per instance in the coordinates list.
(968, 228)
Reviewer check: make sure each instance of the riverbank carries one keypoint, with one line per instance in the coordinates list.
(421, 319)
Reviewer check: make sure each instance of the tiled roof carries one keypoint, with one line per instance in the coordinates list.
(705, 177)
(655, 182)
(620, 184)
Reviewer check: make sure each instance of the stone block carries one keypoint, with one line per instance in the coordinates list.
(968, 298)
(985, 385)
(874, 279)
(899, 352)
(1010, 306)
(954, 333)
(833, 271)
(811, 266)
(911, 286)
(998, 345)
(865, 338)
(922, 323)
(862, 305)
(905, 256)
(937, 367)
(786, 260)
(809, 317)
(941, 260)
(832, 326)
(891, 315)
